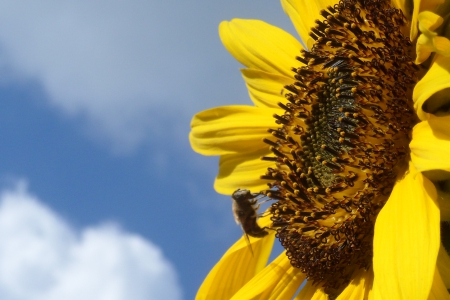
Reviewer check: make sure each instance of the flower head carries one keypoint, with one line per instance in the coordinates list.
(328, 142)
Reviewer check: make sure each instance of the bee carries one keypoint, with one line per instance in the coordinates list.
(245, 213)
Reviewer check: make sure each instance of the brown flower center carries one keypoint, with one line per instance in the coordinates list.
(343, 139)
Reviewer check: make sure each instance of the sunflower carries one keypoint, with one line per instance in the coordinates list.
(350, 140)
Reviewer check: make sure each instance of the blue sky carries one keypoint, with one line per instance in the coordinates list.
(101, 196)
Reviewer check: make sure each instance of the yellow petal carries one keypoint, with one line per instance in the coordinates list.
(442, 45)
(242, 170)
(286, 286)
(237, 266)
(279, 280)
(424, 48)
(231, 129)
(311, 292)
(429, 41)
(429, 21)
(266, 89)
(406, 242)
(360, 287)
(261, 46)
(443, 265)
(303, 13)
(436, 79)
(414, 22)
(430, 146)
(419, 6)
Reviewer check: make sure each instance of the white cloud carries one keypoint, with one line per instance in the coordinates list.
(128, 69)
(43, 258)
(107, 61)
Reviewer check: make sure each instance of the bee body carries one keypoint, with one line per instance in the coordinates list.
(245, 213)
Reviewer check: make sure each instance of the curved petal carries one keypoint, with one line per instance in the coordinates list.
(424, 48)
(436, 79)
(279, 280)
(430, 144)
(429, 41)
(261, 46)
(237, 266)
(266, 89)
(428, 22)
(231, 129)
(303, 13)
(287, 286)
(419, 6)
(242, 170)
(407, 238)
(360, 287)
(311, 291)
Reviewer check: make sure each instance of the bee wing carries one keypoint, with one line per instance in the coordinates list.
(235, 209)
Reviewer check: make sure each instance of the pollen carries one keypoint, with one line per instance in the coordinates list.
(342, 141)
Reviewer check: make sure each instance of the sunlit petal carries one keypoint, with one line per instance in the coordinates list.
(237, 266)
(311, 292)
(303, 13)
(287, 286)
(279, 280)
(242, 171)
(261, 46)
(406, 242)
(266, 89)
(360, 287)
(230, 129)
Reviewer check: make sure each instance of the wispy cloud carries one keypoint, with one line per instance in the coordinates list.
(44, 258)
(132, 71)
(109, 62)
